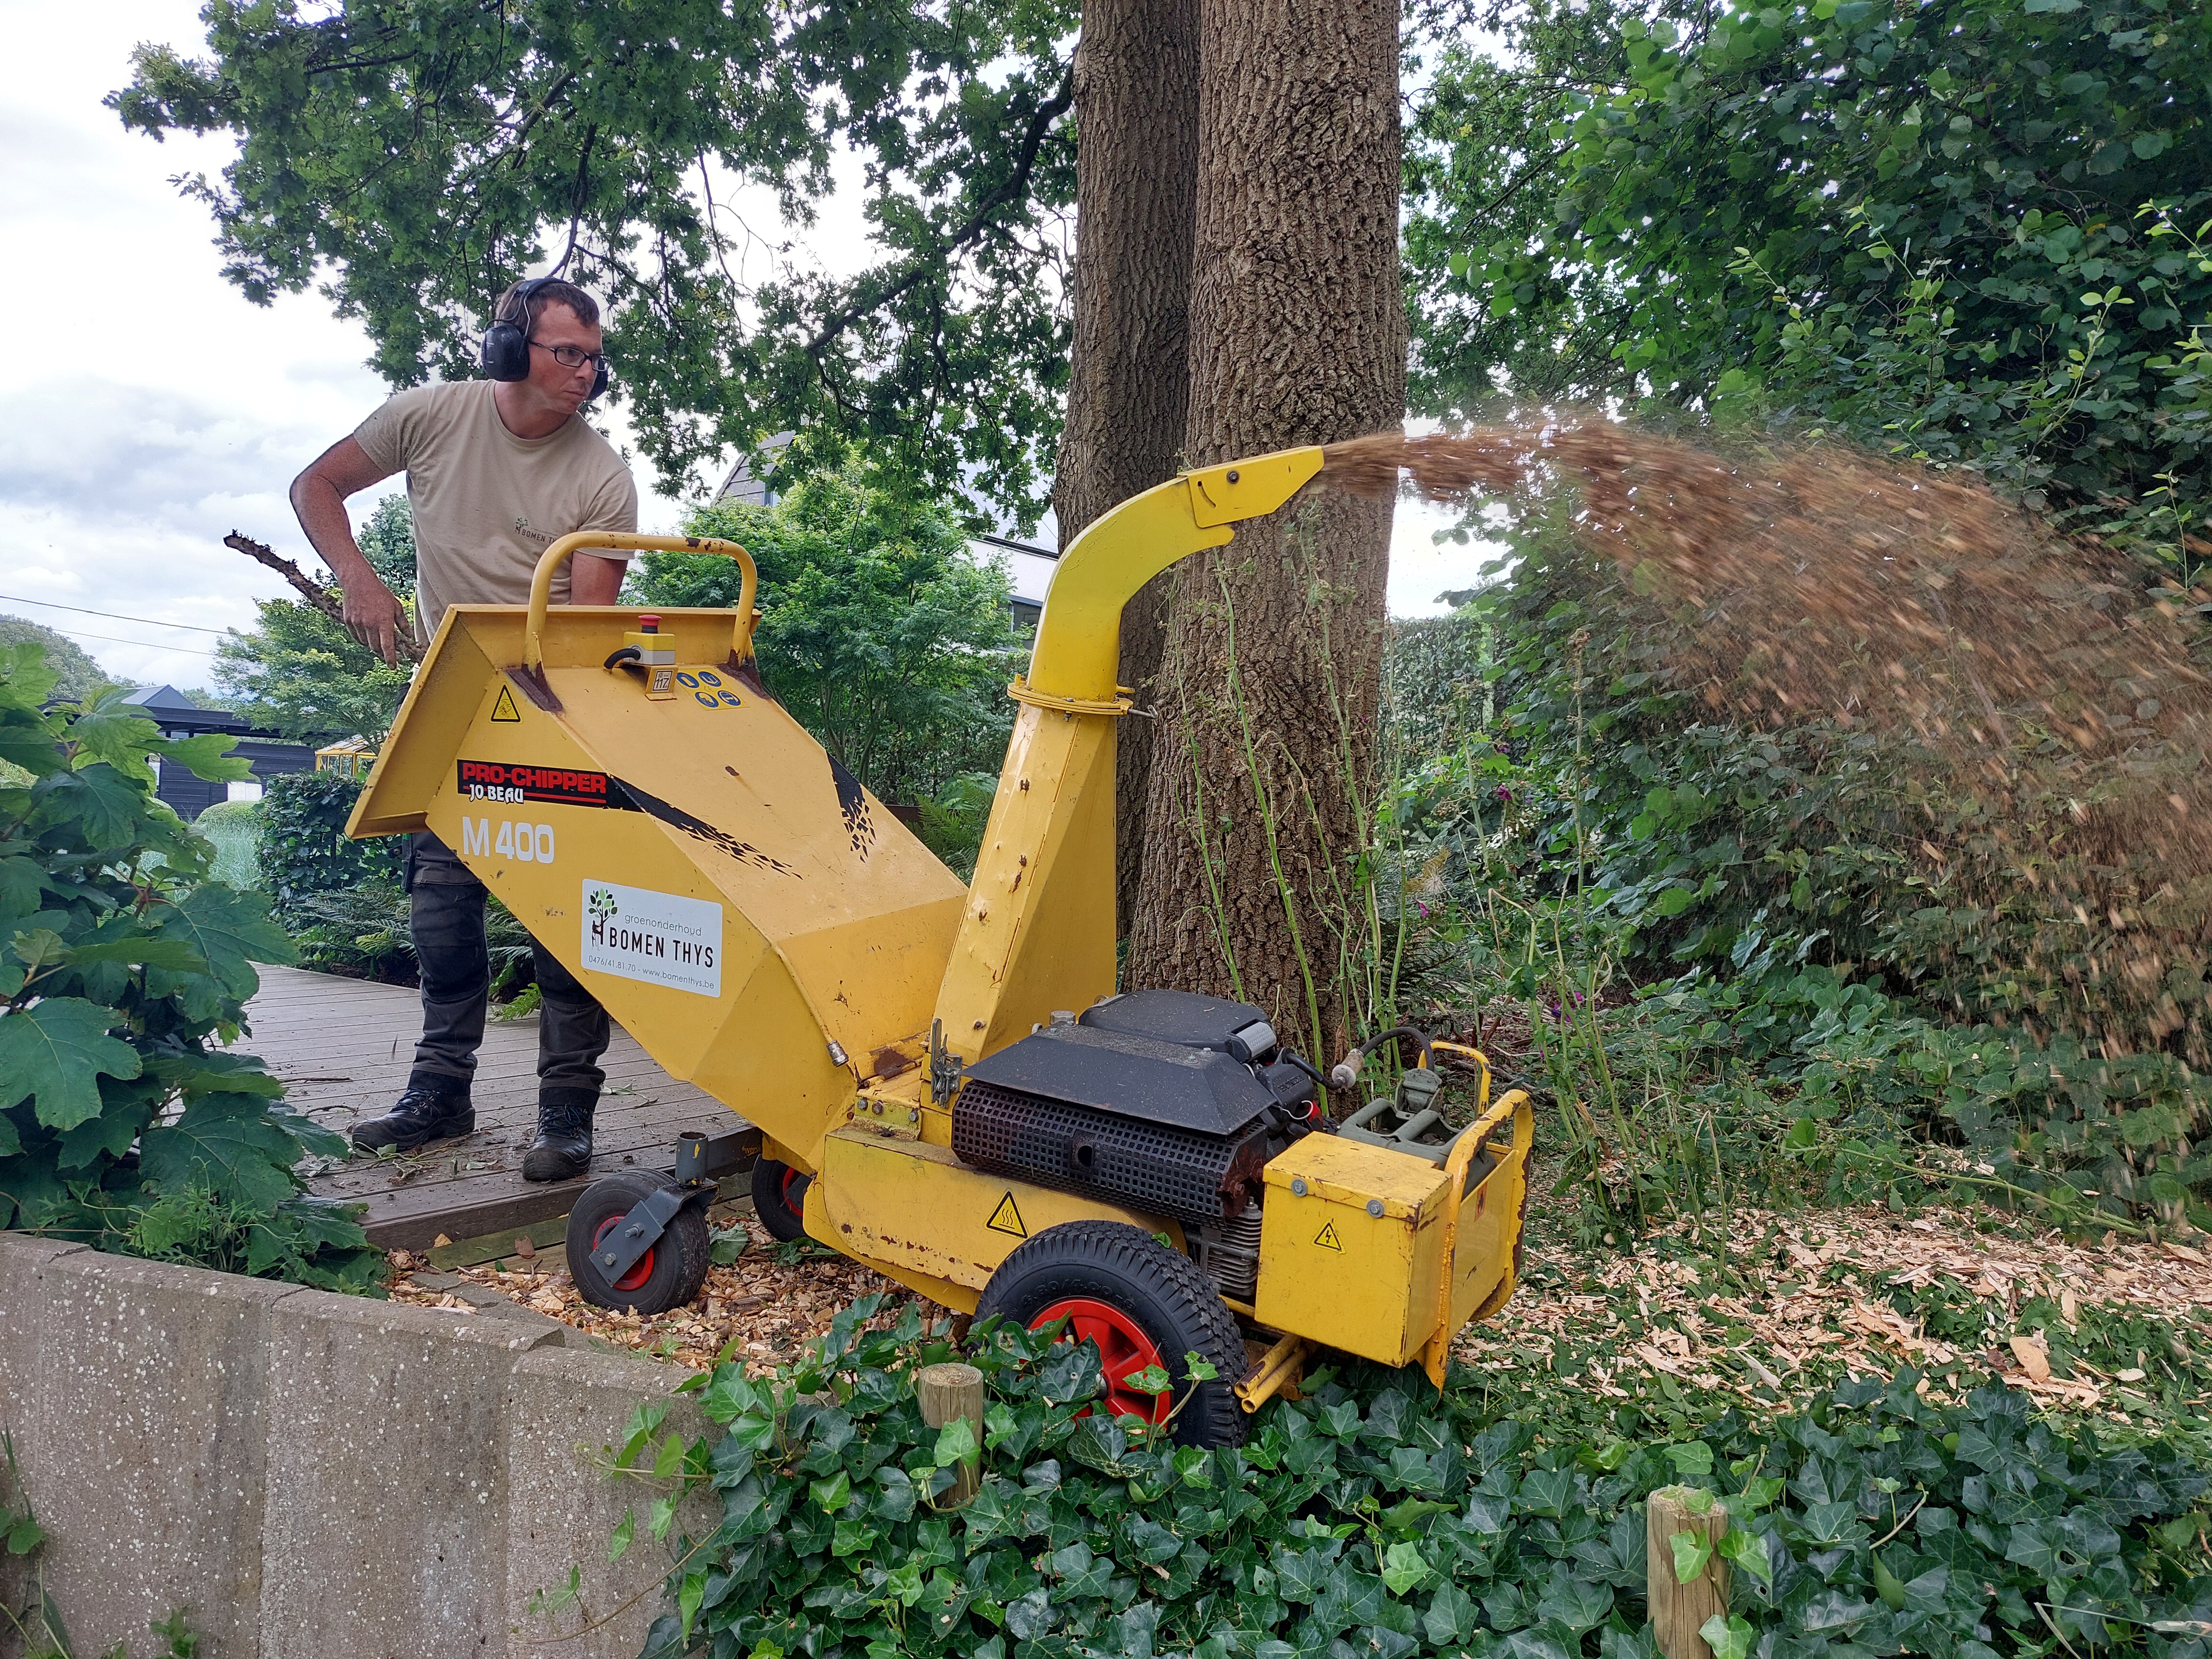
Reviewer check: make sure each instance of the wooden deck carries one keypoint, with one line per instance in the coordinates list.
(345, 1047)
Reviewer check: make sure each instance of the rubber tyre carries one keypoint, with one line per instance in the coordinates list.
(779, 1199)
(1159, 1289)
(680, 1254)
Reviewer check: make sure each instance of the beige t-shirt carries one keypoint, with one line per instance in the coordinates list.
(486, 502)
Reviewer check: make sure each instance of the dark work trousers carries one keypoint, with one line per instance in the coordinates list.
(449, 943)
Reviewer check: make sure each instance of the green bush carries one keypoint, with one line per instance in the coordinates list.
(233, 828)
(366, 932)
(1375, 1518)
(123, 1121)
(302, 845)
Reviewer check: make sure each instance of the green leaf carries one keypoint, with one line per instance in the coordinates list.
(231, 930)
(1748, 1551)
(207, 755)
(225, 1143)
(833, 1494)
(21, 884)
(1728, 1638)
(25, 1535)
(956, 1443)
(109, 810)
(852, 1537)
(689, 1598)
(1888, 1585)
(1691, 1457)
(1403, 1567)
(625, 1531)
(54, 1052)
(1693, 1552)
(1153, 1379)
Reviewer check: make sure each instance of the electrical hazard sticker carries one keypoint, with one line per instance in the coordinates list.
(555, 784)
(1326, 1237)
(503, 709)
(1007, 1220)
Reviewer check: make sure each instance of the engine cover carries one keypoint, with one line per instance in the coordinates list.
(1145, 1100)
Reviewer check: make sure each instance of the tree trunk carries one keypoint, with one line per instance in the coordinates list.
(1136, 113)
(1256, 800)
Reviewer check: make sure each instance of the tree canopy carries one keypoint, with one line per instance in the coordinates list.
(418, 156)
(1970, 230)
(298, 672)
(76, 676)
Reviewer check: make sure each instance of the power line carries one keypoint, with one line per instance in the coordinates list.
(143, 645)
(114, 615)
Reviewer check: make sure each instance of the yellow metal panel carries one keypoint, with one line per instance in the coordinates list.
(1038, 930)
(833, 923)
(1249, 488)
(1332, 1271)
(915, 1208)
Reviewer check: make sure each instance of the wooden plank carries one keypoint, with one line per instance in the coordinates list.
(345, 1047)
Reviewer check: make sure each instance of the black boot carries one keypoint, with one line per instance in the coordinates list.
(563, 1150)
(425, 1113)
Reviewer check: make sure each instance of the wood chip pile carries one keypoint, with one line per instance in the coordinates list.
(1796, 1302)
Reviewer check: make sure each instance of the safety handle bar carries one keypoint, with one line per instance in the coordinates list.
(584, 541)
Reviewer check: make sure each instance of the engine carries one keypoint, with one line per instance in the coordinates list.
(1158, 1100)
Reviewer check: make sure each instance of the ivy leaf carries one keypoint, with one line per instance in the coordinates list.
(1450, 1617)
(956, 1443)
(1748, 1551)
(625, 1531)
(1403, 1567)
(54, 1052)
(1693, 1552)
(833, 1494)
(1728, 1638)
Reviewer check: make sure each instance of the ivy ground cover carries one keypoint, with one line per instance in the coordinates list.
(1374, 1517)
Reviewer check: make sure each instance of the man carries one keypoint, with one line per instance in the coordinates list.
(497, 470)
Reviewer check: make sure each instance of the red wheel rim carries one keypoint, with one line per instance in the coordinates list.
(1123, 1349)
(640, 1270)
(792, 1181)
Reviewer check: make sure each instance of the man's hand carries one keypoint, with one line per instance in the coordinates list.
(373, 614)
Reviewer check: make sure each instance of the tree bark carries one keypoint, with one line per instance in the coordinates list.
(1136, 113)
(1255, 804)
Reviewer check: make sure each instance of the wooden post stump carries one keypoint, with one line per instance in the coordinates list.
(946, 1392)
(1679, 1611)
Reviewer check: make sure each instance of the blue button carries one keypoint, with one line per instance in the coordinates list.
(730, 698)
(709, 677)
(687, 681)
(706, 699)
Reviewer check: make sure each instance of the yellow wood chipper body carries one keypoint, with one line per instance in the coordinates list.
(947, 1086)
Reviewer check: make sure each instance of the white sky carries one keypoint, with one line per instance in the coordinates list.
(150, 410)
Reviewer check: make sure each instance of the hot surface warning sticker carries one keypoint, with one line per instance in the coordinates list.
(661, 938)
(1006, 1219)
(554, 784)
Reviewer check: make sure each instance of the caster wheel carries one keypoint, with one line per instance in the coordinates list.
(668, 1275)
(1143, 1305)
(779, 1199)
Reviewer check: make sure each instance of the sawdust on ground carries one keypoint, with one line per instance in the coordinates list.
(1808, 1299)
(1811, 1301)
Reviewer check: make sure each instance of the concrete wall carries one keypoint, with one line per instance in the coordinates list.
(315, 1476)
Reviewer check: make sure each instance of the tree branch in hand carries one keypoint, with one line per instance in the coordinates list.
(306, 587)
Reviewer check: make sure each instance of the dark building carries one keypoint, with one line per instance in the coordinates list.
(174, 712)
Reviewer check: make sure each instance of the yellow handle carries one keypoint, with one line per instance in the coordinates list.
(541, 581)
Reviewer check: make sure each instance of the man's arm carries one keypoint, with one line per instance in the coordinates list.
(373, 613)
(595, 580)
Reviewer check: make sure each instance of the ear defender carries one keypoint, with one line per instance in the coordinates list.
(506, 343)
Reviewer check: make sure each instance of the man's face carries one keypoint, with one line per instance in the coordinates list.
(561, 387)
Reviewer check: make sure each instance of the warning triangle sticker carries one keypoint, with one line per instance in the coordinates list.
(503, 709)
(1326, 1237)
(1007, 1220)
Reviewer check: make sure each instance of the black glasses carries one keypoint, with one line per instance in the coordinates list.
(570, 356)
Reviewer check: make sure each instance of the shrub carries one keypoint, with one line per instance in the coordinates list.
(120, 1123)
(302, 844)
(1367, 1520)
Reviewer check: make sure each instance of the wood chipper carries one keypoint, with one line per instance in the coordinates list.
(947, 1087)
